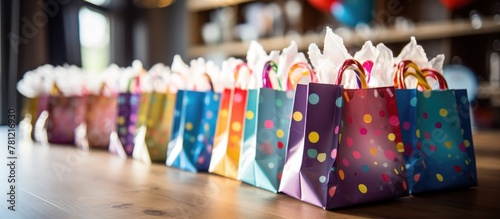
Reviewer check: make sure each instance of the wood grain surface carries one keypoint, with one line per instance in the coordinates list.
(64, 182)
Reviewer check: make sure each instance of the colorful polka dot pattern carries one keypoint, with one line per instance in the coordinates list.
(266, 137)
(371, 138)
(159, 125)
(193, 130)
(314, 127)
(246, 166)
(65, 114)
(100, 119)
(145, 101)
(437, 134)
(229, 132)
(128, 105)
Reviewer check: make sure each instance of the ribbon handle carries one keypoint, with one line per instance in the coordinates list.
(209, 80)
(421, 75)
(266, 80)
(358, 68)
(293, 81)
(237, 71)
(137, 80)
(429, 72)
(105, 86)
(55, 91)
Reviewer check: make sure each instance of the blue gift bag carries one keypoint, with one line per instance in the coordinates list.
(195, 117)
(267, 124)
(437, 137)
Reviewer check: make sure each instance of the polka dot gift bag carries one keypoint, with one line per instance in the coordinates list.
(101, 116)
(195, 116)
(229, 128)
(155, 115)
(345, 144)
(436, 129)
(67, 107)
(267, 122)
(128, 105)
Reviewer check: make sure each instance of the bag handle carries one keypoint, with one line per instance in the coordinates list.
(266, 80)
(402, 73)
(293, 81)
(368, 66)
(55, 91)
(105, 86)
(429, 72)
(358, 68)
(137, 79)
(237, 71)
(209, 80)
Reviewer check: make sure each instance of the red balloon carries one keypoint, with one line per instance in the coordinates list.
(322, 5)
(455, 4)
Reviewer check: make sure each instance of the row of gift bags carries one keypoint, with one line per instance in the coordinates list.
(351, 146)
(83, 120)
(335, 147)
(321, 143)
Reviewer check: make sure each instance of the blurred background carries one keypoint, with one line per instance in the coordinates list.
(93, 34)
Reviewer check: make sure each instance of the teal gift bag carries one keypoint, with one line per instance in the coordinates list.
(436, 129)
(195, 116)
(265, 135)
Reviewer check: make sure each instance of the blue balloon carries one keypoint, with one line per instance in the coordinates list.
(352, 12)
(461, 77)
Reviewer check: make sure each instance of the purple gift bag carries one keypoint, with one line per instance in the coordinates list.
(344, 145)
(316, 107)
(128, 105)
(65, 114)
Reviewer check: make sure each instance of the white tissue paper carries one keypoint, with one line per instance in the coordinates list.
(328, 63)
(237, 73)
(198, 80)
(37, 82)
(289, 57)
(127, 80)
(158, 77)
(105, 82)
(70, 80)
(378, 63)
(414, 52)
(180, 73)
(256, 60)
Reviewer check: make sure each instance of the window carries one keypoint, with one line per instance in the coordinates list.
(94, 38)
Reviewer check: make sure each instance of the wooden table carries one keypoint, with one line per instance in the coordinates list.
(63, 182)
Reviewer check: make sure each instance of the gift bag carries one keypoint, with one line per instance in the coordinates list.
(155, 119)
(32, 111)
(35, 86)
(345, 145)
(229, 130)
(139, 151)
(159, 125)
(190, 147)
(101, 118)
(128, 105)
(265, 137)
(436, 130)
(66, 115)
